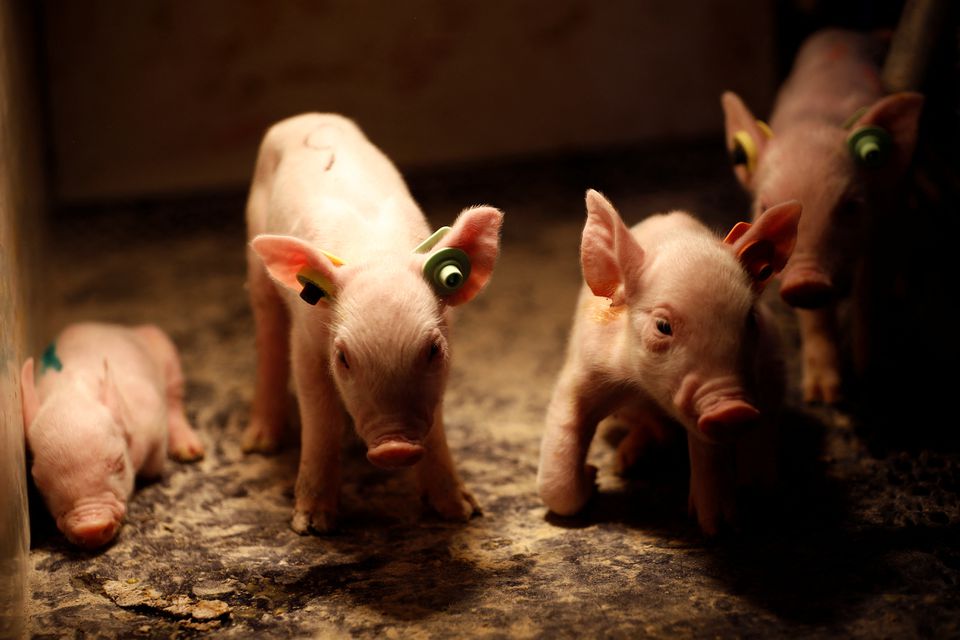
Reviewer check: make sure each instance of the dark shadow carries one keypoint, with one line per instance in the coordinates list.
(800, 555)
(405, 573)
(389, 553)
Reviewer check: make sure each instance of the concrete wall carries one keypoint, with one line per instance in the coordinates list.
(21, 214)
(166, 96)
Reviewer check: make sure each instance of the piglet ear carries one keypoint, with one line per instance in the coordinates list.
(28, 395)
(610, 257)
(746, 138)
(286, 257)
(764, 247)
(112, 399)
(476, 233)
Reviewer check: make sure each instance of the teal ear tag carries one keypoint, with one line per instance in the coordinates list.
(315, 286)
(447, 270)
(870, 146)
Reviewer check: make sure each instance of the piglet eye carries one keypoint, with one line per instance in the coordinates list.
(663, 326)
(342, 357)
(117, 465)
(433, 352)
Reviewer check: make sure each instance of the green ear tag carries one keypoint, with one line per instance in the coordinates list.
(447, 270)
(315, 286)
(432, 241)
(870, 146)
(50, 360)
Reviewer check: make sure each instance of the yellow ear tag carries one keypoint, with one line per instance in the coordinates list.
(744, 151)
(337, 262)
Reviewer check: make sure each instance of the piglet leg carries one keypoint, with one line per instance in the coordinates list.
(564, 480)
(317, 491)
(183, 443)
(712, 484)
(268, 412)
(821, 359)
(437, 477)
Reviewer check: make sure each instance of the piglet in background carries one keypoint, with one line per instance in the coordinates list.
(352, 292)
(669, 331)
(840, 146)
(106, 406)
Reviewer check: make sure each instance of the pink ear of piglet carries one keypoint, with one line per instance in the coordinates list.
(764, 247)
(610, 256)
(477, 233)
(285, 256)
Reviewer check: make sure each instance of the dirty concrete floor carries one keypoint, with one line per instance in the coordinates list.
(862, 541)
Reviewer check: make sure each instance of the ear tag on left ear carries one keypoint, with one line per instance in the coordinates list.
(447, 270)
(315, 285)
(737, 232)
(870, 146)
(744, 151)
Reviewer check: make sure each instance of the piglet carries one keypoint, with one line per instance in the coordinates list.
(352, 292)
(106, 406)
(840, 146)
(668, 330)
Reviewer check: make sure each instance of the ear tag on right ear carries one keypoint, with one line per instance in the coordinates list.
(432, 241)
(870, 146)
(447, 270)
(315, 286)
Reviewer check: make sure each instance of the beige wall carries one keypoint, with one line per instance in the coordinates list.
(160, 96)
(21, 211)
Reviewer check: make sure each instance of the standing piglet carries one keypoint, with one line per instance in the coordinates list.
(107, 405)
(668, 329)
(840, 146)
(350, 290)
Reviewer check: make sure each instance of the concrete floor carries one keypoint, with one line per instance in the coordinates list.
(862, 542)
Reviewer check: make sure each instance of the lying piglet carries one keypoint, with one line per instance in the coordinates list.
(352, 292)
(668, 329)
(840, 146)
(106, 406)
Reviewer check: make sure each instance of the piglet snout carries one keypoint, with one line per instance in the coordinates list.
(727, 419)
(93, 534)
(393, 453)
(92, 526)
(807, 287)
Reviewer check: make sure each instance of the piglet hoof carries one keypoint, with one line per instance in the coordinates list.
(821, 374)
(568, 498)
(318, 522)
(187, 447)
(457, 505)
(821, 387)
(257, 438)
(713, 519)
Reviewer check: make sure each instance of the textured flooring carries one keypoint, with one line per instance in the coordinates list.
(862, 542)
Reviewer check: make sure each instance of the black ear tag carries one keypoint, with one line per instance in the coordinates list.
(315, 286)
(311, 293)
